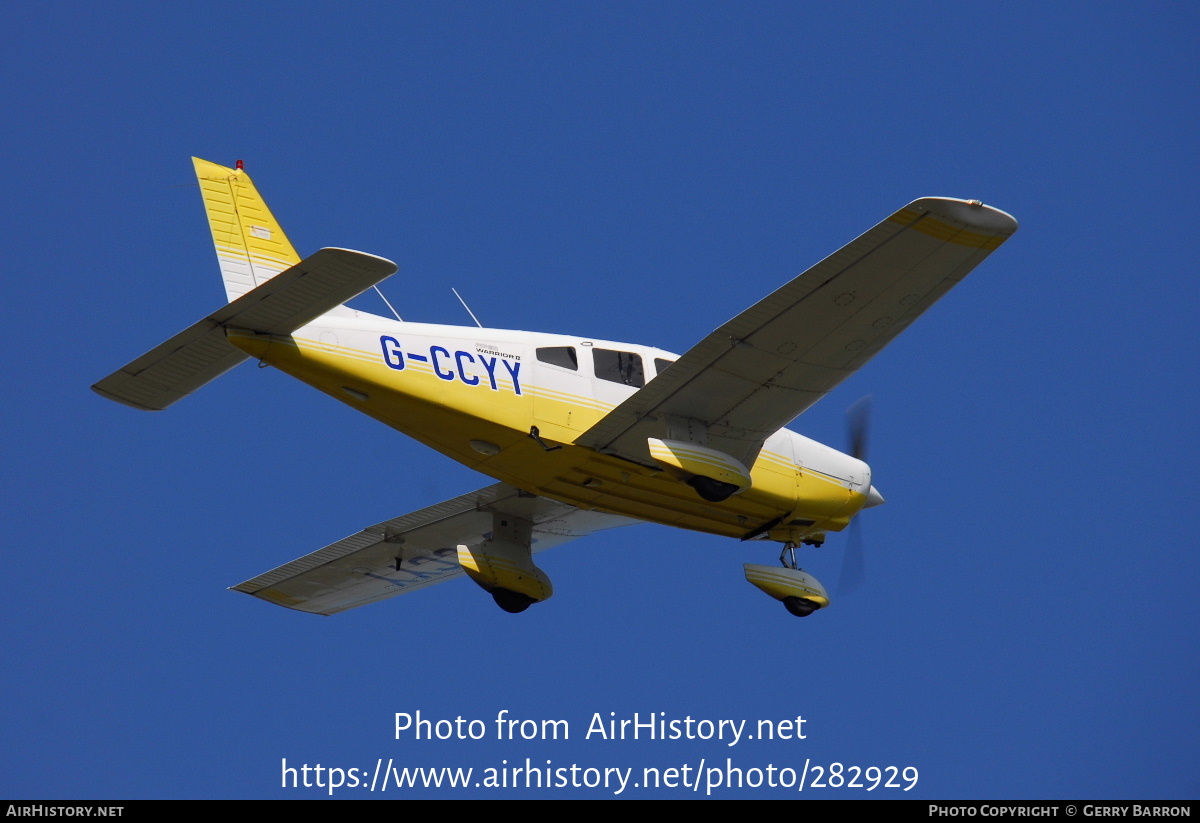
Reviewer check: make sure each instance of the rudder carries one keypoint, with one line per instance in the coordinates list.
(251, 246)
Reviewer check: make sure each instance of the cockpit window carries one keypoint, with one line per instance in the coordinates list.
(619, 367)
(660, 364)
(560, 356)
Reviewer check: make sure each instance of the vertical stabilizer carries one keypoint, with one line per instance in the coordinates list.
(251, 246)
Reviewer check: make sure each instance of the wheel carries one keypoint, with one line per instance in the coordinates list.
(512, 602)
(714, 491)
(799, 606)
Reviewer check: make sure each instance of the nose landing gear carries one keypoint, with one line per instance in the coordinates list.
(799, 606)
(800, 592)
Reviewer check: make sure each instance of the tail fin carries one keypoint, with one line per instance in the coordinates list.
(251, 246)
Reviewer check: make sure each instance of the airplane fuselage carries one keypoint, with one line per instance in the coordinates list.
(476, 395)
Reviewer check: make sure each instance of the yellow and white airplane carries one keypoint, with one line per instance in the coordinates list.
(582, 434)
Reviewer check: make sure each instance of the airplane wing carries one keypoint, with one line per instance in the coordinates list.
(417, 550)
(753, 375)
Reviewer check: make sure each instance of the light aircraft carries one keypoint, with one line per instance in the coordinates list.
(582, 434)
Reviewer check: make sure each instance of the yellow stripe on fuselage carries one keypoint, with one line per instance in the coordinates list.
(575, 400)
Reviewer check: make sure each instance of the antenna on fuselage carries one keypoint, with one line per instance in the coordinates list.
(465, 306)
(389, 305)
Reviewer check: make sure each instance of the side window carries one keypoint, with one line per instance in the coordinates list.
(560, 356)
(619, 367)
(660, 364)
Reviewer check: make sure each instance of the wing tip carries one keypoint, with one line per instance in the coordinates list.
(99, 388)
(366, 260)
(972, 213)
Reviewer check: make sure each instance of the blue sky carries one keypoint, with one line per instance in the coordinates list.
(636, 172)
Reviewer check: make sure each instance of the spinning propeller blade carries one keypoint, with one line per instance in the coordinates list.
(854, 562)
(858, 425)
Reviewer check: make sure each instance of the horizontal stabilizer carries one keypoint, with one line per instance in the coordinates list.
(281, 305)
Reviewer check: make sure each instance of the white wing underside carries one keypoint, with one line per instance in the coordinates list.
(363, 568)
(754, 374)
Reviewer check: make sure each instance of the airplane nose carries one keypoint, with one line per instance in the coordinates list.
(874, 498)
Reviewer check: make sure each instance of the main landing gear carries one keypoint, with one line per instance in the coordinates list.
(503, 565)
(512, 602)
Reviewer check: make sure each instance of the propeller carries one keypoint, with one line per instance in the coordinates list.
(854, 562)
(858, 425)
